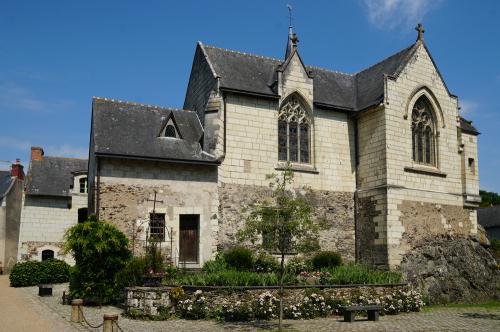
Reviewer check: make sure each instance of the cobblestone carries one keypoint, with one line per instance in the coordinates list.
(452, 319)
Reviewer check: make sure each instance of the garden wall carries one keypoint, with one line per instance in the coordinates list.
(150, 300)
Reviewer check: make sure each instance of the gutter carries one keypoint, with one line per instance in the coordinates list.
(177, 161)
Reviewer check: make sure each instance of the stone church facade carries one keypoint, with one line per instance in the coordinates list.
(383, 154)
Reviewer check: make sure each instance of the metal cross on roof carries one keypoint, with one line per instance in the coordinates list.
(420, 29)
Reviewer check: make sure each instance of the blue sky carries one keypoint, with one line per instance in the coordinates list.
(55, 55)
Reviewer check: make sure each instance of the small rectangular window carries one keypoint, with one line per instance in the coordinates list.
(472, 166)
(157, 226)
(83, 185)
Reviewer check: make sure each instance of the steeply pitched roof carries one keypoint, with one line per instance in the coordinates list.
(133, 130)
(489, 217)
(256, 74)
(52, 176)
(5, 183)
(370, 82)
(467, 127)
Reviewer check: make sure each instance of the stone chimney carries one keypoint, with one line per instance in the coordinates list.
(17, 170)
(36, 153)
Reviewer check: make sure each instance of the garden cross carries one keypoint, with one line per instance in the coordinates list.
(154, 202)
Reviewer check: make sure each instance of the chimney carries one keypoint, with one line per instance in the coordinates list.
(36, 153)
(17, 170)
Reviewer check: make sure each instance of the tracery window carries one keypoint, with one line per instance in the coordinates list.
(294, 132)
(423, 130)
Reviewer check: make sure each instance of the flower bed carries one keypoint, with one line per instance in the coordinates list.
(261, 304)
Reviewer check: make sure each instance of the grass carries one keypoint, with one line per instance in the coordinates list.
(493, 304)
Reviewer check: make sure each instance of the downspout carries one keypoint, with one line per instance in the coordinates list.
(98, 187)
(356, 198)
(225, 123)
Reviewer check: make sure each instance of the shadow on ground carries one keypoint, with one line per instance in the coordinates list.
(481, 315)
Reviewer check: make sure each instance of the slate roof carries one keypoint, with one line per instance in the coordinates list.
(5, 183)
(53, 176)
(256, 74)
(489, 217)
(353, 92)
(467, 127)
(133, 130)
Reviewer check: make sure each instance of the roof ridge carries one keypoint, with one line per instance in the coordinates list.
(273, 59)
(137, 104)
(329, 70)
(385, 59)
(64, 158)
(244, 53)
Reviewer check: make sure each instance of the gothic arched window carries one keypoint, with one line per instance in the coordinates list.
(423, 131)
(294, 132)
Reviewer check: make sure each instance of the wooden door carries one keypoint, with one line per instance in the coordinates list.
(189, 238)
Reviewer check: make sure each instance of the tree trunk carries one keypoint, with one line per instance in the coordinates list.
(281, 290)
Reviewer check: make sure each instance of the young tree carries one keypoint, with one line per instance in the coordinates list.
(282, 223)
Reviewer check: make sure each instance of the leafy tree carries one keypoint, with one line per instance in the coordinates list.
(283, 224)
(100, 251)
(489, 198)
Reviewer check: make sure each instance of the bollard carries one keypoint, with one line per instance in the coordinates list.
(76, 311)
(109, 322)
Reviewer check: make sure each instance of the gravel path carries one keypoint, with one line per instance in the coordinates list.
(51, 312)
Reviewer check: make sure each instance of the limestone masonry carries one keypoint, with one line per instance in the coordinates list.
(383, 155)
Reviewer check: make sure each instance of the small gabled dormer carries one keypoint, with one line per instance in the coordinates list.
(170, 129)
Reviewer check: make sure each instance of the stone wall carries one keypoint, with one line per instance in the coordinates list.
(44, 220)
(337, 208)
(127, 190)
(149, 300)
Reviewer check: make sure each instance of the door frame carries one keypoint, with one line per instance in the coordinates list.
(198, 240)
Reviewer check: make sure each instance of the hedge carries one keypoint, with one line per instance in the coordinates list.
(31, 273)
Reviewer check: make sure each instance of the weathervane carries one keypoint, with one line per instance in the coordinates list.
(289, 14)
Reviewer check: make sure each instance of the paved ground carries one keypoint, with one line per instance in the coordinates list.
(23, 310)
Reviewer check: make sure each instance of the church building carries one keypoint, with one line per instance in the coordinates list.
(384, 153)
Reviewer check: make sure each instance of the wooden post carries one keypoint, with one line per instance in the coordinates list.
(76, 311)
(110, 320)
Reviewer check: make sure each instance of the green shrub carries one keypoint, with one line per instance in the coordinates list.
(234, 278)
(216, 265)
(361, 274)
(100, 251)
(51, 271)
(295, 265)
(266, 263)
(132, 274)
(239, 258)
(326, 259)
(154, 258)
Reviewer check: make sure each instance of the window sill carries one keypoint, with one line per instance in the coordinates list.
(297, 168)
(425, 170)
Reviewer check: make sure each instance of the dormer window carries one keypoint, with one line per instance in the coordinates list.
(170, 129)
(83, 185)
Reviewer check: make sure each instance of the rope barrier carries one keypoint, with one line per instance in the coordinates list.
(86, 321)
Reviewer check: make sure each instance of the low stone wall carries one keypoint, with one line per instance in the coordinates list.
(149, 300)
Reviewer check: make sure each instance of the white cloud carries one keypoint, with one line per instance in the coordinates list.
(16, 97)
(468, 106)
(390, 14)
(64, 150)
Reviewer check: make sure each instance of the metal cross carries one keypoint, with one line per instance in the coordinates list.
(154, 202)
(420, 29)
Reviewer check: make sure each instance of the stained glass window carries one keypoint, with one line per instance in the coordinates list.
(423, 129)
(294, 134)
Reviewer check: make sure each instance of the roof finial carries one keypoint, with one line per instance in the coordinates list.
(292, 37)
(420, 29)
